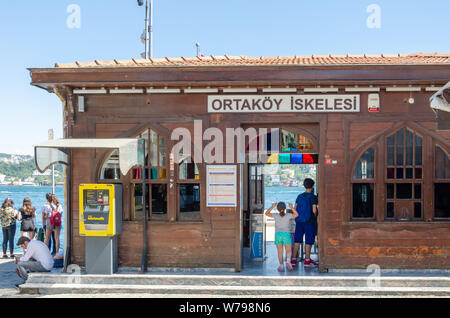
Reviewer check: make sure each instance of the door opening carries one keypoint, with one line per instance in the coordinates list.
(280, 179)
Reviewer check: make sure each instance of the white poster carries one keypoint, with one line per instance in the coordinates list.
(221, 188)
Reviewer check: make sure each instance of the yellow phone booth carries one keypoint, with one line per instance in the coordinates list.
(101, 222)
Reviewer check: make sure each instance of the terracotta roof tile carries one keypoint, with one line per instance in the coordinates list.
(227, 60)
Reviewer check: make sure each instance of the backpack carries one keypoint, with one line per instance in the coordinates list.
(304, 208)
(55, 219)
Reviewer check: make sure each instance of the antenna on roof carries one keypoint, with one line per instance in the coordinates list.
(146, 36)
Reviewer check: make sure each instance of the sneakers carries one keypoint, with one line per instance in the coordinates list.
(310, 263)
(281, 268)
(294, 262)
(5, 256)
(289, 266)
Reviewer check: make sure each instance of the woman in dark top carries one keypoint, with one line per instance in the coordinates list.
(26, 215)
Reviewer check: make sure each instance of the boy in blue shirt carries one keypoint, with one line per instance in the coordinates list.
(306, 222)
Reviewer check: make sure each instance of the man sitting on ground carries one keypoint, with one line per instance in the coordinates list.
(37, 257)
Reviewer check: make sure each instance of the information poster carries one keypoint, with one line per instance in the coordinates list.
(221, 186)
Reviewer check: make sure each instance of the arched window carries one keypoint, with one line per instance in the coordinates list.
(156, 181)
(441, 183)
(363, 185)
(110, 169)
(404, 180)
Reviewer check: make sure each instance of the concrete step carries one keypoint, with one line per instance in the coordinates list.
(234, 280)
(50, 283)
(234, 290)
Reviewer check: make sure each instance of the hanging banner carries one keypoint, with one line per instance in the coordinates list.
(221, 188)
(282, 103)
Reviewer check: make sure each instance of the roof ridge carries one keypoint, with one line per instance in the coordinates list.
(313, 59)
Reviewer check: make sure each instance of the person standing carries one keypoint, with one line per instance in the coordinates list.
(305, 224)
(8, 218)
(282, 234)
(26, 214)
(46, 214)
(54, 220)
(37, 257)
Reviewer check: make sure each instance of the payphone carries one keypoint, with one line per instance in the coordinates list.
(101, 222)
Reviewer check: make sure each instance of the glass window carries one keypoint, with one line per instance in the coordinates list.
(365, 167)
(442, 184)
(404, 191)
(155, 177)
(188, 170)
(409, 148)
(442, 164)
(110, 169)
(442, 200)
(189, 201)
(390, 150)
(400, 148)
(153, 149)
(418, 150)
(404, 162)
(138, 201)
(363, 200)
(294, 142)
(159, 200)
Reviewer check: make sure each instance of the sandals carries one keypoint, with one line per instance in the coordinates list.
(12, 256)
(5, 256)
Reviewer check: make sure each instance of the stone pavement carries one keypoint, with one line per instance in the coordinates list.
(8, 278)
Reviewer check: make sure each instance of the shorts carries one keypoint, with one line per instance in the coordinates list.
(283, 238)
(50, 227)
(27, 225)
(306, 229)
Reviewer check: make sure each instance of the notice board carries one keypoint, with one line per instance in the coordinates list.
(221, 188)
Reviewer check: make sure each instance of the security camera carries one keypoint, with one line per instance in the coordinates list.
(411, 100)
(140, 2)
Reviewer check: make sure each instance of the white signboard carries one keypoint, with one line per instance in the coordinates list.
(282, 103)
(221, 189)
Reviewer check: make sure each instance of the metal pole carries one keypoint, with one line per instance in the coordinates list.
(150, 30)
(146, 30)
(144, 230)
(53, 179)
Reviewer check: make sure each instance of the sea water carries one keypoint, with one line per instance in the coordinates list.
(37, 196)
(277, 194)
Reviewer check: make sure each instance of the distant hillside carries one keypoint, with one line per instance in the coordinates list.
(21, 167)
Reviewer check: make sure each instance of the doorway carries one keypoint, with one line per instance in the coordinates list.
(278, 179)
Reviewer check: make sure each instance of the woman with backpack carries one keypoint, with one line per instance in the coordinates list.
(8, 218)
(53, 217)
(26, 214)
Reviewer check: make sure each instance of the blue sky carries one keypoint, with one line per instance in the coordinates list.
(35, 34)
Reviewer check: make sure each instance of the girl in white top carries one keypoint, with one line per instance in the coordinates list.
(51, 205)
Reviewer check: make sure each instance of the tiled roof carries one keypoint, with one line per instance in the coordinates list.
(225, 60)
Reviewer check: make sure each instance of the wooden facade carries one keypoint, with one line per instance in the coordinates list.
(215, 239)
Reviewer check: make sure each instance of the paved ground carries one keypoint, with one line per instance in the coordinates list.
(8, 278)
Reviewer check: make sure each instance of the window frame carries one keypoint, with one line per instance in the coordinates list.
(413, 181)
(360, 181)
(148, 167)
(438, 180)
